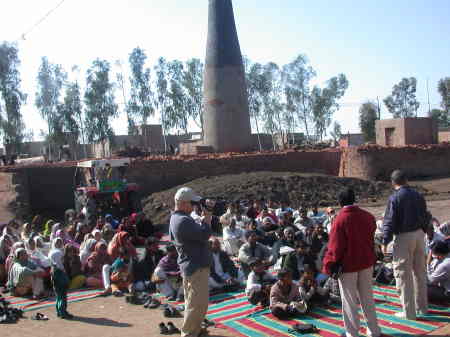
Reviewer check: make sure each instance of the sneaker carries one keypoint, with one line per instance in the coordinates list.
(402, 315)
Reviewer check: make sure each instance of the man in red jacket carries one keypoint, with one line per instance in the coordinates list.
(351, 247)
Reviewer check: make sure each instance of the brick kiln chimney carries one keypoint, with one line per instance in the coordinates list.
(226, 124)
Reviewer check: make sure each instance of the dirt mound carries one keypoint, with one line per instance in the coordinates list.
(298, 189)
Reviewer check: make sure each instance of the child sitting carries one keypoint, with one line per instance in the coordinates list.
(259, 283)
(308, 287)
(121, 277)
(285, 300)
(167, 276)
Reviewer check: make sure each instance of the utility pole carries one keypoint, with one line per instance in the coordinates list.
(429, 105)
(379, 108)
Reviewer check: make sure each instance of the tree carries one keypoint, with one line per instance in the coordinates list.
(444, 90)
(51, 79)
(11, 97)
(324, 103)
(100, 103)
(258, 87)
(297, 76)
(336, 133)
(140, 106)
(193, 85)
(441, 117)
(177, 114)
(403, 102)
(162, 96)
(368, 115)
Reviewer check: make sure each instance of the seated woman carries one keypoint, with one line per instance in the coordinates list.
(5, 247)
(10, 259)
(167, 276)
(121, 276)
(259, 283)
(97, 267)
(233, 238)
(55, 228)
(82, 231)
(48, 229)
(145, 266)
(439, 273)
(36, 255)
(25, 278)
(72, 266)
(86, 249)
(122, 240)
(285, 300)
(26, 231)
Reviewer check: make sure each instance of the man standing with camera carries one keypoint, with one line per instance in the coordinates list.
(404, 222)
(191, 240)
(350, 257)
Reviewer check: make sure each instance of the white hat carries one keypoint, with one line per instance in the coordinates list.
(186, 194)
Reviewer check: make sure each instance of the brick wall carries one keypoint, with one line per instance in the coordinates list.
(377, 163)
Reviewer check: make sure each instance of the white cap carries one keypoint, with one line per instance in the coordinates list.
(187, 194)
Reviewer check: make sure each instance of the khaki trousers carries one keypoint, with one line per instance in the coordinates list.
(196, 295)
(356, 288)
(410, 271)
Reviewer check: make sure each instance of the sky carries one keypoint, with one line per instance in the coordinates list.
(374, 43)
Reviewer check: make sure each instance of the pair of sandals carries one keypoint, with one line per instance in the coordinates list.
(152, 303)
(170, 329)
(171, 312)
(303, 329)
(39, 317)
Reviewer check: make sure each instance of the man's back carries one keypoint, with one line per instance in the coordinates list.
(352, 240)
(191, 241)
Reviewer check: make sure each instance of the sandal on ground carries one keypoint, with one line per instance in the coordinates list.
(172, 329)
(39, 317)
(154, 304)
(163, 330)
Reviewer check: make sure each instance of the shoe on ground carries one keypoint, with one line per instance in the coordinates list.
(172, 298)
(180, 298)
(163, 330)
(402, 315)
(172, 329)
(154, 304)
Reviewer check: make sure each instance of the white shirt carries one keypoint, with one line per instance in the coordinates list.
(254, 283)
(236, 234)
(439, 273)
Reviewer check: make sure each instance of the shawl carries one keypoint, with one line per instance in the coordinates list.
(120, 241)
(56, 227)
(48, 228)
(4, 246)
(98, 259)
(87, 250)
(19, 270)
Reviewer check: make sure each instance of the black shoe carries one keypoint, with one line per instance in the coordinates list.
(167, 312)
(154, 304)
(172, 298)
(148, 302)
(173, 329)
(207, 323)
(163, 330)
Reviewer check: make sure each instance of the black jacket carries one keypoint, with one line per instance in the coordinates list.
(291, 263)
(406, 212)
(227, 266)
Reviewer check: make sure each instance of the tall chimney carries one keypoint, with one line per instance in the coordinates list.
(226, 122)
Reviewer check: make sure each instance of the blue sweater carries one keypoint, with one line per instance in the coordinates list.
(191, 240)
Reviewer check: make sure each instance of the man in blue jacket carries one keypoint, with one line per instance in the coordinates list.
(194, 258)
(404, 222)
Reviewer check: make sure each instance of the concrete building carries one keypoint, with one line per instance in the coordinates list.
(444, 135)
(351, 139)
(226, 126)
(406, 131)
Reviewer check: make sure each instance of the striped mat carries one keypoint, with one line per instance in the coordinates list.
(233, 312)
(27, 304)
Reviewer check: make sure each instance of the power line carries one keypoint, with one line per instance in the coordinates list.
(22, 37)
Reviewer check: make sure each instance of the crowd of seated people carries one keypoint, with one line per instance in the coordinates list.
(272, 251)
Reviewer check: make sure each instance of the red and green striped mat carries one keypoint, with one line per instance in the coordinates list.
(233, 312)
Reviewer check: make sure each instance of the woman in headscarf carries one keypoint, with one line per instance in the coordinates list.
(25, 278)
(72, 266)
(121, 277)
(5, 247)
(36, 224)
(121, 240)
(108, 233)
(35, 255)
(60, 279)
(12, 253)
(55, 228)
(67, 239)
(109, 220)
(26, 231)
(95, 266)
(48, 229)
(86, 250)
(82, 231)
